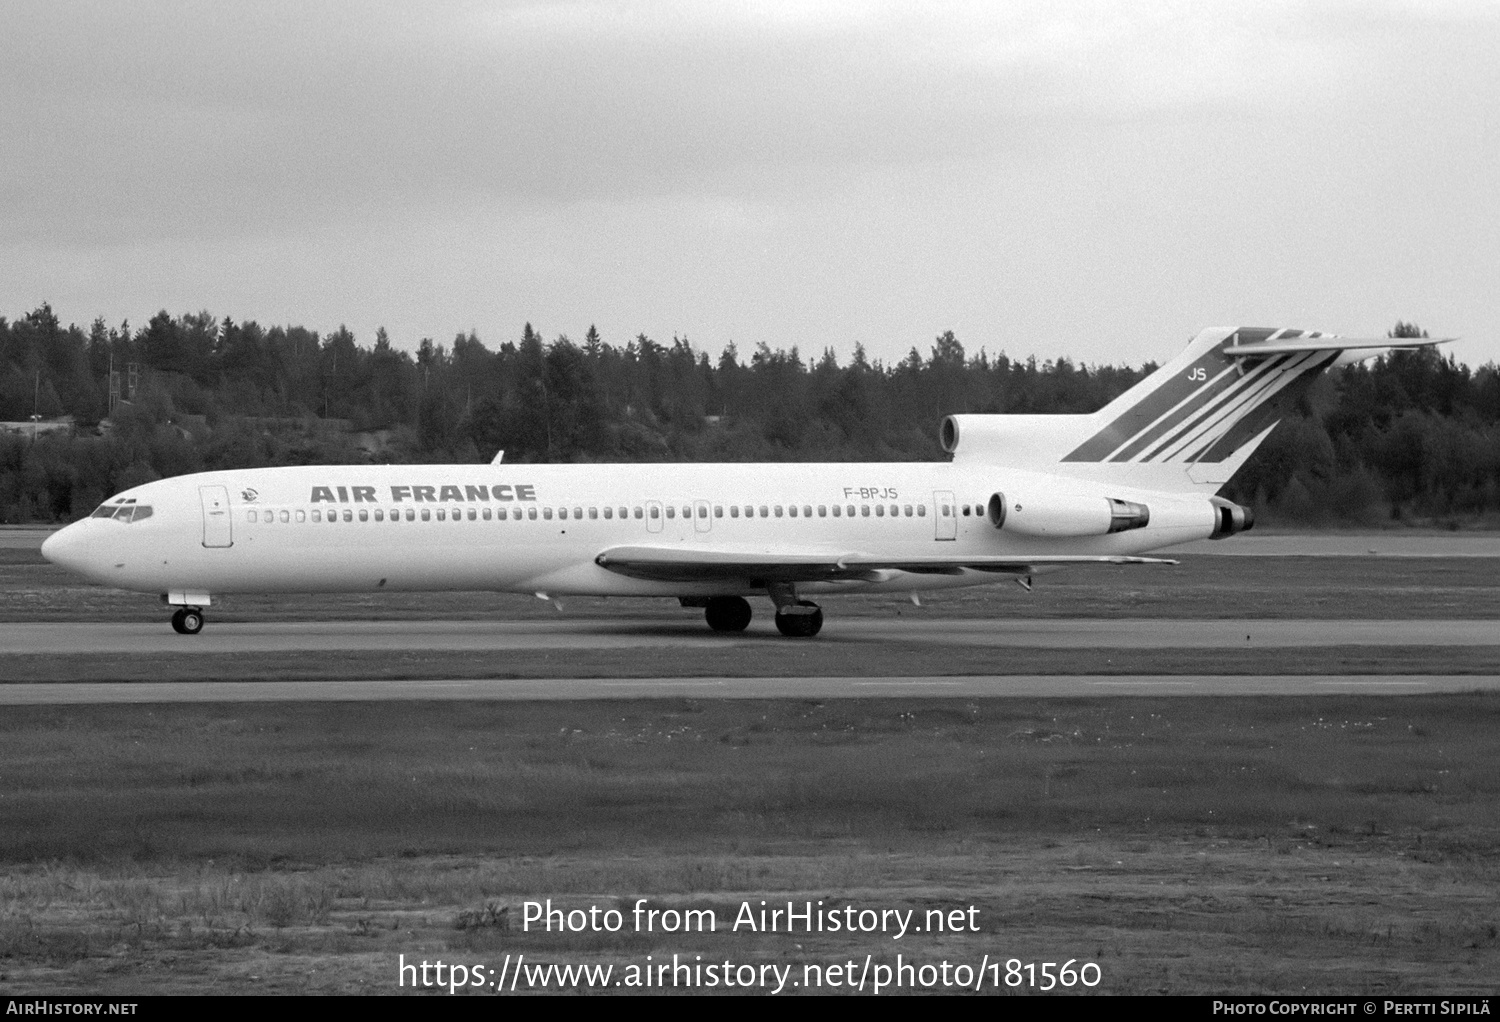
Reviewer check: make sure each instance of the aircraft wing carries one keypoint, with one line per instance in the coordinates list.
(757, 567)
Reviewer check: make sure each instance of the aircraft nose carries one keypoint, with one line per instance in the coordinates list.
(68, 547)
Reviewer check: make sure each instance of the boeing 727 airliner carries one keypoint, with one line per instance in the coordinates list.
(1021, 495)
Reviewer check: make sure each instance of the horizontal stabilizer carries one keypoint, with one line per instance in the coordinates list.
(1326, 342)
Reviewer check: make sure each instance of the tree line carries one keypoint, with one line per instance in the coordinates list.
(1410, 436)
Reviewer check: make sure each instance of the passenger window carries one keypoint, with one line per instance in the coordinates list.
(908, 510)
(286, 516)
(427, 514)
(474, 515)
(251, 515)
(734, 510)
(531, 513)
(671, 512)
(655, 513)
(765, 512)
(687, 511)
(411, 514)
(442, 515)
(749, 511)
(593, 514)
(301, 517)
(895, 510)
(625, 512)
(364, 515)
(486, 514)
(333, 516)
(562, 513)
(317, 515)
(639, 513)
(791, 510)
(946, 511)
(864, 510)
(806, 510)
(609, 512)
(777, 509)
(966, 510)
(822, 510)
(837, 510)
(879, 510)
(348, 516)
(379, 515)
(718, 510)
(921, 510)
(850, 510)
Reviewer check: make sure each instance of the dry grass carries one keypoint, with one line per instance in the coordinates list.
(1228, 844)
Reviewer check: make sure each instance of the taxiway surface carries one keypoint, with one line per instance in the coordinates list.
(675, 632)
(972, 687)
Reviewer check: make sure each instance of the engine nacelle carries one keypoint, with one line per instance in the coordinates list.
(1065, 515)
(1230, 518)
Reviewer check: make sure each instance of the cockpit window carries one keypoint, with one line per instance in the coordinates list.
(123, 512)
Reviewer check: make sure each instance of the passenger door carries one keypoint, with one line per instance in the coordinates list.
(218, 529)
(702, 520)
(944, 515)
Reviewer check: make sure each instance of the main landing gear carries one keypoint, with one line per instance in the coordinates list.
(796, 619)
(727, 613)
(801, 620)
(187, 621)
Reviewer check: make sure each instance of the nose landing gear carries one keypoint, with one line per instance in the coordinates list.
(187, 621)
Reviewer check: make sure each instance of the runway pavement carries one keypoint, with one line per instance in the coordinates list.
(973, 687)
(146, 638)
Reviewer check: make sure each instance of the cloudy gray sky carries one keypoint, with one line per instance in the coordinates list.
(1090, 179)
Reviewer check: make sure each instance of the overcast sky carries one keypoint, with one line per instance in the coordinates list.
(1092, 179)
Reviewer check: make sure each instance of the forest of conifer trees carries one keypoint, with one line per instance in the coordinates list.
(1406, 439)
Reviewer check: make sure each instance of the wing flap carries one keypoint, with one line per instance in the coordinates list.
(758, 567)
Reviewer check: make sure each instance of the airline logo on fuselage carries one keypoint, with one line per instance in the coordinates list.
(423, 494)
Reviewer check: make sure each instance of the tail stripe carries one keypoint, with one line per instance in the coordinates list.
(1249, 381)
(1169, 394)
(1264, 415)
(1259, 385)
(1205, 394)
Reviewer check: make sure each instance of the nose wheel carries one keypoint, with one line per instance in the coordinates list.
(187, 621)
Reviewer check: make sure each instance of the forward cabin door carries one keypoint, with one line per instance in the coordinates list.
(944, 515)
(701, 520)
(217, 530)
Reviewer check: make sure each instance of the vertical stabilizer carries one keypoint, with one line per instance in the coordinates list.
(1188, 426)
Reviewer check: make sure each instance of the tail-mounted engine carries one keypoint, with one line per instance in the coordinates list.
(1064, 515)
(1230, 518)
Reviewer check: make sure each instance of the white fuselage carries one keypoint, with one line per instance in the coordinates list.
(539, 528)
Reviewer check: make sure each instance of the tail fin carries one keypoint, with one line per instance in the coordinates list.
(1189, 426)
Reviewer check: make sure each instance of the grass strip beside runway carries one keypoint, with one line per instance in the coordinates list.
(1231, 844)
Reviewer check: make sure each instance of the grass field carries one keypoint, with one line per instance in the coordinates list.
(1275, 845)
(1184, 845)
